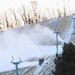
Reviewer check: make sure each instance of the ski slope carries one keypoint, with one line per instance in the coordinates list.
(26, 43)
(68, 33)
(44, 50)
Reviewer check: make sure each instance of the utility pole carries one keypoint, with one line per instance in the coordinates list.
(57, 42)
(16, 64)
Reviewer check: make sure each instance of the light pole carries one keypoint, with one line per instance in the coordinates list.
(16, 64)
(57, 42)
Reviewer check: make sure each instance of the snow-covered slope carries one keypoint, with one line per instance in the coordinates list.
(26, 42)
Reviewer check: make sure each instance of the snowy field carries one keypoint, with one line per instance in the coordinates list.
(27, 42)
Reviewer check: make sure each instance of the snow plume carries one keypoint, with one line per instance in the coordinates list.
(22, 41)
(42, 35)
(15, 44)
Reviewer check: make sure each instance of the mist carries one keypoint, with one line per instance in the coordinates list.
(16, 45)
(41, 35)
(23, 41)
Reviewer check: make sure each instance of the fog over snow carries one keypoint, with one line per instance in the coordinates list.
(41, 35)
(24, 41)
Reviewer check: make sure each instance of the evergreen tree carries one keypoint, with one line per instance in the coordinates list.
(65, 62)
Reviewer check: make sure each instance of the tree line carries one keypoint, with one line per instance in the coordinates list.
(15, 18)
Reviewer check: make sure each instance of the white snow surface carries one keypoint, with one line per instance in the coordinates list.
(26, 43)
(43, 50)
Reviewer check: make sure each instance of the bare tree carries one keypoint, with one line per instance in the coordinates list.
(1, 23)
(39, 15)
(23, 14)
(29, 19)
(34, 8)
(6, 20)
(58, 11)
(65, 7)
(16, 20)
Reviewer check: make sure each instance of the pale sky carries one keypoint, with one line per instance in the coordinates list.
(6, 4)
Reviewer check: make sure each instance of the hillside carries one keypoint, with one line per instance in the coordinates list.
(62, 25)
